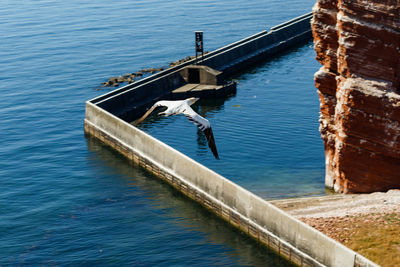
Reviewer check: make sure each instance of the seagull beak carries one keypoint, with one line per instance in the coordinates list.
(195, 99)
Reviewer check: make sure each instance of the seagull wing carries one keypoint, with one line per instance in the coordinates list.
(157, 104)
(204, 125)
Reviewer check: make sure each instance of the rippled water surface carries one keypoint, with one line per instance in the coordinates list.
(68, 200)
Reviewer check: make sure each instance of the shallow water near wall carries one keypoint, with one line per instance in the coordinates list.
(69, 200)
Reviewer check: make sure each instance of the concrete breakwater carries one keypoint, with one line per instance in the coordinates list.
(109, 122)
(126, 102)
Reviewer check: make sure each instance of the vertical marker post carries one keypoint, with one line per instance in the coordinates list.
(199, 44)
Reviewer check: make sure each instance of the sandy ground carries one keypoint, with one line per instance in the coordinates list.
(367, 223)
(341, 205)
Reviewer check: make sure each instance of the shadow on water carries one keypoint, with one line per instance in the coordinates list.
(184, 212)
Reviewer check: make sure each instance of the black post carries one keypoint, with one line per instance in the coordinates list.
(198, 43)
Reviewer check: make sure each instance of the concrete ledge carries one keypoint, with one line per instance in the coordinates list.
(204, 91)
(271, 226)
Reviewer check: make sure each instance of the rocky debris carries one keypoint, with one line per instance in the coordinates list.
(152, 70)
(130, 77)
(358, 44)
(180, 61)
(115, 81)
(183, 60)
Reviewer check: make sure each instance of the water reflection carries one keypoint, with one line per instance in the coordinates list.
(185, 214)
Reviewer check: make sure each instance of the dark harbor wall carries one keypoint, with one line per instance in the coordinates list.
(129, 101)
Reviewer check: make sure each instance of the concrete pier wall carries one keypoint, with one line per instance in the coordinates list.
(257, 48)
(291, 238)
(127, 104)
(228, 59)
(106, 119)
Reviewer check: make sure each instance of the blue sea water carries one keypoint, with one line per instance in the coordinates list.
(67, 199)
(267, 134)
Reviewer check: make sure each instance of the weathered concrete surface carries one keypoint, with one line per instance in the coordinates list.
(203, 91)
(288, 236)
(202, 74)
(204, 82)
(358, 44)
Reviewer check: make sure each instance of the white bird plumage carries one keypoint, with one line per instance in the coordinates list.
(183, 107)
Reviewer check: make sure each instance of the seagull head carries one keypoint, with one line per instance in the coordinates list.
(193, 100)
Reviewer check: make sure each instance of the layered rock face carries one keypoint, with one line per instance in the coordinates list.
(358, 44)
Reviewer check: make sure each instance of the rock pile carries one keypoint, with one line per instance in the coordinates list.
(180, 61)
(132, 77)
(129, 77)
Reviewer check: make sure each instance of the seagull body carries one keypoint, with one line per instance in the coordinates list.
(183, 107)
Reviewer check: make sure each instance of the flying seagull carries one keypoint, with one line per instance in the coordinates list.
(183, 106)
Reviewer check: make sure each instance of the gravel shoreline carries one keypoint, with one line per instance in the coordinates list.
(367, 223)
(341, 205)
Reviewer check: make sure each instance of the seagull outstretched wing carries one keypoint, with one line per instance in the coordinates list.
(177, 107)
(204, 125)
(157, 104)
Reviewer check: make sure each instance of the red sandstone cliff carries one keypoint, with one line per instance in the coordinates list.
(358, 44)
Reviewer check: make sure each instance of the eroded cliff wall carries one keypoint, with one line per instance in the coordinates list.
(358, 44)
